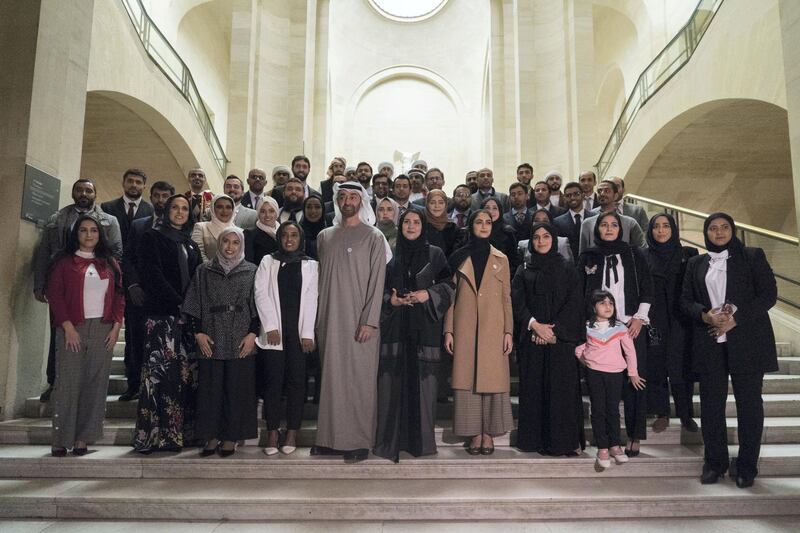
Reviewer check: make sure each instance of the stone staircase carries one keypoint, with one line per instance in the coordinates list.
(115, 483)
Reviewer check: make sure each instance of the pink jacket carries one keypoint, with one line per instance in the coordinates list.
(609, 350)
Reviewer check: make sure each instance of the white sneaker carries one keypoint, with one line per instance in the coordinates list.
(603, 463)
(620, 458)
(271, 451)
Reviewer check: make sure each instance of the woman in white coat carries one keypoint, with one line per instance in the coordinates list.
(286, 299)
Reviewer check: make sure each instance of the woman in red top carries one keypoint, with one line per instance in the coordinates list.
(87, 300)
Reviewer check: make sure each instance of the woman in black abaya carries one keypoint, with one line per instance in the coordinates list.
(548, 309)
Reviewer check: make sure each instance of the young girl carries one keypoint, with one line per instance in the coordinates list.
(607, 353)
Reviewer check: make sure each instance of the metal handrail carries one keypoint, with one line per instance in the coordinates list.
(698, 214)
(782, 245)
(166, 58)
(682, 47)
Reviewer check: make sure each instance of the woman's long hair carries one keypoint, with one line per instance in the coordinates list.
(102, 250)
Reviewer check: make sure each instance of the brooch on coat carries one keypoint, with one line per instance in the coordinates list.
(590, 271)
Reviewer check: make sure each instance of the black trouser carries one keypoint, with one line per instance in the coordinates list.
(636, 400)
(749, 413)
(659, 384)
(605, 390)
(226, 407)
(287, 366)
(51, 353)
(134, 344)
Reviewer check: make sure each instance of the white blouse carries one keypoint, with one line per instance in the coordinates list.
(94, 291)
(617, 289)
(717, 281)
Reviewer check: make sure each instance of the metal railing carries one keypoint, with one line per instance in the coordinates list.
(666, 64)
(782, 251)
(170, 63)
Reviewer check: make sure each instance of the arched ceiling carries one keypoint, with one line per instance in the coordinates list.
(735, 158)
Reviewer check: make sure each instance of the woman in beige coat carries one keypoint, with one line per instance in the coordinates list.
(478, 333)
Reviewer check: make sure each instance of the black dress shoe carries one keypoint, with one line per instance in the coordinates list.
(324, 450)
(690, 425)
(710, 476)
(356, 456)
(226, 453)
(129, 395)
(80, 451)
(487, 451)
(206, 452)
(58, 452)
(744, 481)
(45, 397)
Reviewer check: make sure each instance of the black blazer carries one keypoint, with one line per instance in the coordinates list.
(130, 254)
(638, 281)
(246, 201)
(565, 224)
(751, 287)
(118, 209)
(326, 188)
(158, 258)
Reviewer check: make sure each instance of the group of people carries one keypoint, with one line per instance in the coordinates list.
(403, 296)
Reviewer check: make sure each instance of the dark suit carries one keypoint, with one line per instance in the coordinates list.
(247, 200)
(478, 198)
(748, 353)
(466, 216)
(277, 193)
(119, 209)
(565, 224)
(326, 188)
(134, 318)
(522, 230)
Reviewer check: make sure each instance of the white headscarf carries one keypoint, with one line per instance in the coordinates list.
(420, 162)
(267, 199)
(280, 168)
(385, 164)
(229, 264)
(553, 173)
(365, 213)
(215, 226)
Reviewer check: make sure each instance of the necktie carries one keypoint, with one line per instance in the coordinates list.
(520, 218)
(577, 220)
(131, 207)
(460, 220)
(196, 201)
(293, 216)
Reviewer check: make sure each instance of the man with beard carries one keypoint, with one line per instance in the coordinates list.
(541, 196)
(519, 217)
(588, 179)
(256, 181)
(130, 205)
(160, 191)
(462, 199)
(569, 224)
(634, 211)
(402, 193)
(486, 190)
(607, 193)
(525, 176)
(301, 166)
(353, 257)
(199, 196)
(554, 180)
(364, 176)
(380, 189)
(293, 201)
(280, 174)
(336, 166)
(54, 238)
(417, 179)
(386, 169)
(350, 174)
(434, 179)
(471, 179)
(243, 216)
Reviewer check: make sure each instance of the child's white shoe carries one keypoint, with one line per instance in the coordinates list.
(603, 459)
(618, 455)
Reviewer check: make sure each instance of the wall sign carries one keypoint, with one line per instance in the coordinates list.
(40, 196)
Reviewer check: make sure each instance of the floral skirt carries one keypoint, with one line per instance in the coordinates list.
(165, 414)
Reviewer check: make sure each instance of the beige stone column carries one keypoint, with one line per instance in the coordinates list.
(580, 46)
(244, 39)
(44, 57)
(790, 30)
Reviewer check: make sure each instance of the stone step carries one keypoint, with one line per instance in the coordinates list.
(789, 365)
(774, 405)
(603, 496)
(777, 430)
(655, 461)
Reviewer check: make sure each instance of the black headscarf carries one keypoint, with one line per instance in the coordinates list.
(546, 212)
(410, 256)
(181, 237)
(476, 249)
(550, 260)
(282, 254)
(610, 249)
(312, 229)
(664, 258)
(734, 244)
